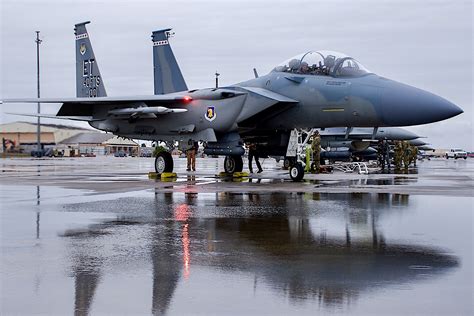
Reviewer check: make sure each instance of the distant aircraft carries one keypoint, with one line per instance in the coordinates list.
(317, 89)
(339, 143)
(360, 142)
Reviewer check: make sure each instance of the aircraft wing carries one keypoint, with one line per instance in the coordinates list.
(82, 108)
(72, 118)
(148, 99)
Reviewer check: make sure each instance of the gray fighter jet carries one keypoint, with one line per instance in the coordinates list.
(317, 89)
(359, 141)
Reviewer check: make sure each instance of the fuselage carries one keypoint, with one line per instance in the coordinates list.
(317, 89)
(323, 101)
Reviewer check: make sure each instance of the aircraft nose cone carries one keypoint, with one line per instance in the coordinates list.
(405, 105)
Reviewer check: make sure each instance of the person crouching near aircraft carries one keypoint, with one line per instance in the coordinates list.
(191, 155)
(253, 153)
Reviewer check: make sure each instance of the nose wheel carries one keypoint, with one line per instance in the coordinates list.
(233, 164)
(297, 172)
(163, 163)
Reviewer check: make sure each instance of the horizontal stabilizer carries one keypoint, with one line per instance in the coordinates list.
(73, 118)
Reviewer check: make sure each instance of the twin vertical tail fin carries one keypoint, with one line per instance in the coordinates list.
(167, 75)
(89, 83)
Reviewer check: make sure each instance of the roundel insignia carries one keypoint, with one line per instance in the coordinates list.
(82, 49)
(210, 114)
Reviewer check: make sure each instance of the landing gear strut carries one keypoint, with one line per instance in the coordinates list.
(233, 164)
(296, 152)
(163, 163)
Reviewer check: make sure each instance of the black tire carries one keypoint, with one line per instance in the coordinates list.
(233, 164)
(297, 172)
(163, 163)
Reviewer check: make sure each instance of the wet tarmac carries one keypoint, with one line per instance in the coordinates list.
(96, 236)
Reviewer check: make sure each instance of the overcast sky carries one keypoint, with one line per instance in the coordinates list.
(427, 44)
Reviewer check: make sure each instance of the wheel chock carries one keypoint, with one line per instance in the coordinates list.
(163, 176)
(240, 174)
(153, 175)
(168, 175)
(233, 175)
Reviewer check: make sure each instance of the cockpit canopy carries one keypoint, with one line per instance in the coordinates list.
(323, 63)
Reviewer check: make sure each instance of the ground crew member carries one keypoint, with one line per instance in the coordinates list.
(379, 154)
(414, 154)
(386, 153)
(397, 155)
(191, 155)
(316, 147)
(254, 154)
(406, 154)
(309, 152)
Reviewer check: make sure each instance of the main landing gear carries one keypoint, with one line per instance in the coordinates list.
(233, 164)
(163, 162)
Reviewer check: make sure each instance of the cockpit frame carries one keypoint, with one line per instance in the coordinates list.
(323, 63)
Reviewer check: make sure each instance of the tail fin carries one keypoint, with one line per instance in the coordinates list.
(168, 77)
(89, 83)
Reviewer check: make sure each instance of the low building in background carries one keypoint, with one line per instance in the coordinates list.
(21, 137)
(67, 140)
(97, 144)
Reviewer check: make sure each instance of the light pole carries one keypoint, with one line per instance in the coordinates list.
(38, 130)
(217, 79)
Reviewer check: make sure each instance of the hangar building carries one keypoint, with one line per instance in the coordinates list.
(23, 134)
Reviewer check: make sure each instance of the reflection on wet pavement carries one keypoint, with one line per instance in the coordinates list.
(121, 175)
(184, 250)
(325, 251)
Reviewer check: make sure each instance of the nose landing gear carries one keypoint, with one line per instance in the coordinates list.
(296, 152)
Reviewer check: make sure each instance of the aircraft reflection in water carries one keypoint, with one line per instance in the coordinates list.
(323, 247)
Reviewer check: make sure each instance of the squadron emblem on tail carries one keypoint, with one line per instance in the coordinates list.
(82, 49)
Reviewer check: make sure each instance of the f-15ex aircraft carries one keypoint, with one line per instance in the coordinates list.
(317, 89)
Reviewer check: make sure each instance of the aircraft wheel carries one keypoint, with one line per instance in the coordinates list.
(233, 164)
(163, 163)
(297, 172)
(288, 162)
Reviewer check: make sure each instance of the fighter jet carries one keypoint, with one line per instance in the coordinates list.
(317, 89)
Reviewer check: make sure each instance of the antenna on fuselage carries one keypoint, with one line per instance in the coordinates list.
(255, 73)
